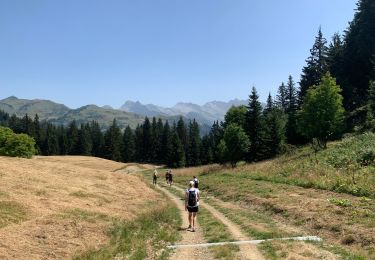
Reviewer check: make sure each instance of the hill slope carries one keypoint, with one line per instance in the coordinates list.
(58, 207)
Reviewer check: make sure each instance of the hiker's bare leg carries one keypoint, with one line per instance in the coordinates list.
(194, 219)
(190, 218)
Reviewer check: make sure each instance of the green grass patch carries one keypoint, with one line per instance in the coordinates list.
(145, 237)
(11, 213)
(340, 202)
(3, 194)
(227, 252)
(337, 250)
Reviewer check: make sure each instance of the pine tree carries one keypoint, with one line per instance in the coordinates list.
(159, 136)
(128, 145)
(335, 55)
(97, 139)
(51, 144)
(113, 142)
(254, 127)
(195, 144)
(84, 143)
(147, 141)
(269, 105)
(359, 48)
(63, 140)
(291, 128)
(316, 66)
(167, 148)
(178, 156)
(275, 132)
(138, 137)
(73, 138)
(184, 138)
(281, 98)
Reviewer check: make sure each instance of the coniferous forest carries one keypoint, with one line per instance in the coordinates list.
(335, 95)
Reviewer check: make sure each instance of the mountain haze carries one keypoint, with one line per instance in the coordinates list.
(207, 113)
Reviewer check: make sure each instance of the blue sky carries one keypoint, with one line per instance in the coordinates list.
(80, 52)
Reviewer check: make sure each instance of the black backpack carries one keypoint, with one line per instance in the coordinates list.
(192, 199)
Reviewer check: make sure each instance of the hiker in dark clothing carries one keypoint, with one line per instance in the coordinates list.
(167, 177)
(170, 178)
(192, 204)
(196, 182)
(155, 177)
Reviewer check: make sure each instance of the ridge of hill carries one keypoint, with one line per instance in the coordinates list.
(60, 114)
(207, 113)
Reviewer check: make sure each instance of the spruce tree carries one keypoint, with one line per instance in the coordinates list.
(113, 142)
(51, 143)
(84, 143)
(281, 98)
(316, 66)
(177, 158)
(128, 151)
(254, 128)
(73, 138)
(184, 138)
(167, 148)
(97, 139)
(291, 128)
(195, 144)
(359, 48)
(138, 138)
(147, 141)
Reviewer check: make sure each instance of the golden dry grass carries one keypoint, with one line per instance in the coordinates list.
(68, 202)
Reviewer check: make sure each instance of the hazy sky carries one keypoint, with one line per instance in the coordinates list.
(80, 52)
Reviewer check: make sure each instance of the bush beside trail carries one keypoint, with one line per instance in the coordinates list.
(16, 145)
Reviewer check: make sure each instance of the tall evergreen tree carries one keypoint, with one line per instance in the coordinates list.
(147, 141)
(316, 66)
(113, 142)
(359, 49)
(254, 126)
(178, 156)
(335, 56)
(195, 144)
(63, 140)
(51, 143)
(291, 128)
(97, 139)
(167, 148)
(281, 98)
(84, 143)
(184, 137)
(269, 105)
(138, 139)
(73, 138)
(128, 145)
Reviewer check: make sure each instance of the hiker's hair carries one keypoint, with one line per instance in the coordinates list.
(191, 184)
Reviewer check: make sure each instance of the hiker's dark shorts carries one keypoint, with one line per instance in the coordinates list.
(192, 209)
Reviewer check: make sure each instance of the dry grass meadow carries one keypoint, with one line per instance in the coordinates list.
(62, 206)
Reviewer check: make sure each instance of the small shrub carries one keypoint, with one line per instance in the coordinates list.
(340, 202)
(16, 145)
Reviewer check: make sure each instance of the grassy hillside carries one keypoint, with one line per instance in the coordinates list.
(330, 194)
(61, 207)
(44, 108)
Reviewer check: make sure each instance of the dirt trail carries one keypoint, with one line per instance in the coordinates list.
(187, 236)
(247, 251)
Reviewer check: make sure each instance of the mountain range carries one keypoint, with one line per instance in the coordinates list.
(131, 113)
(207, 113)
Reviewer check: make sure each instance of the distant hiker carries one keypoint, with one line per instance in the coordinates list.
(167, 177)
(155, 177)
(192, 204)
(196, 182)
(170, 178)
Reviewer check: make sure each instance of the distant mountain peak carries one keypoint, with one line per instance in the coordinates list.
(207, 113)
